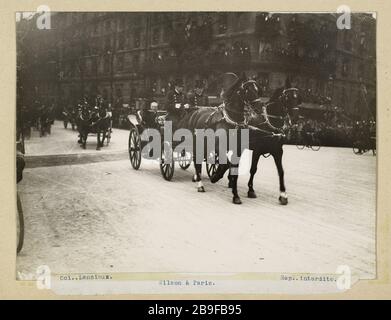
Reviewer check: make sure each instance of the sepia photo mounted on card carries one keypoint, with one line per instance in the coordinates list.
(196, 152)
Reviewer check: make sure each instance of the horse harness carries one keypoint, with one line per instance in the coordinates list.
(245, 124)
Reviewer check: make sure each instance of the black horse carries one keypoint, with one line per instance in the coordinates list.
(229, 116)
(268, 129)
(93, 120)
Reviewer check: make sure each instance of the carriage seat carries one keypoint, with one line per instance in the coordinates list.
(151, 117)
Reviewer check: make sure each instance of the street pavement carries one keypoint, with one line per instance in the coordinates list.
(90, 211)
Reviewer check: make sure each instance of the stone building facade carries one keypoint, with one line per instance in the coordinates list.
(128, 56)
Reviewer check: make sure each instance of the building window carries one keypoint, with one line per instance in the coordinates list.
(137, 20)
(154, 86)
(222, 23)
(240, 21)
(343, 97)
(105, 94)
(136, 61)
(120, 62)
(107, 44)
(121, 41)
(363, 42)
(347, 42)
(361, 72)
(74, 18)
(155, 36)
(106, 64)
(94, 68)
(155, 57)
(122, 24)
(166, 33)
(345, 68)
(118, 92)
(163, 85)
(137, 39)
(107, 25)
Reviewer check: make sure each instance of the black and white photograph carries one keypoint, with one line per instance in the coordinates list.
(201, 143)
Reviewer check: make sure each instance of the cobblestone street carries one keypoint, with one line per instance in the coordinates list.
(89, 211)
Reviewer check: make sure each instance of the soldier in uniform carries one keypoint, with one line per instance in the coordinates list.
(176, 102)
(198, 98)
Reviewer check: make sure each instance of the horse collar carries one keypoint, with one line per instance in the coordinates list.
(228, 119)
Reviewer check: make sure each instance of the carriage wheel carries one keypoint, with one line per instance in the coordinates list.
(19, 225)
(184, 162)
(135, 148)
(167, 164)
(211, 168)
(357, 147)
(300, 146)
(108, 136)
(315, 144)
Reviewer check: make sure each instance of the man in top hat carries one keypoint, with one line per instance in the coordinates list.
(198, 98)
(176, 102)
(228, 81)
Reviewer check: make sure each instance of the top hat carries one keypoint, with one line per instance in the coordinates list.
(178, 82)
(228, 80)
(199, 84)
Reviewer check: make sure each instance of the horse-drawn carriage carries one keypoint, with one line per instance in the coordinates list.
(97, 121)
(267, 124)
(141, 123)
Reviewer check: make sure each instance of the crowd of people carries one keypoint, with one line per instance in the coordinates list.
(176, 95)
(333, 132)
(332, 128)
(40, 115)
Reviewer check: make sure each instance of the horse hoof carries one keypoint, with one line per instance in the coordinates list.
(251, 194)
(236, 200)
(193, 180)
(201, 189)
(283, 201)
(214, 179)
(84, 147)
(98, 148)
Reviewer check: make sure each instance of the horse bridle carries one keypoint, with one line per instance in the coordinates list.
(226, 116)
(286, 118)
(266, 116)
